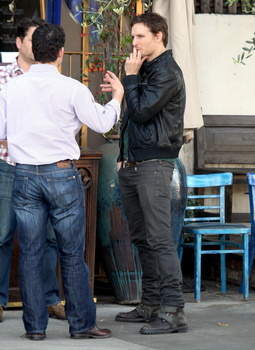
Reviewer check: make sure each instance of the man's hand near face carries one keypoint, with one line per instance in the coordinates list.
(134, 62)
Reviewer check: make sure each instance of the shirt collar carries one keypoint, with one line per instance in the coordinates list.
(43, 67)
(14, 67)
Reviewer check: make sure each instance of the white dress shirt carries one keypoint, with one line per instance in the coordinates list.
(42, 111)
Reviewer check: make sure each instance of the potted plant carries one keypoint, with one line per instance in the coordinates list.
(106, 23)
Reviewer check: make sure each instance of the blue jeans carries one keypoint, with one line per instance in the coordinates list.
(145, 191)
(7, 231)
(7, 228)
(50, 281)
(41, 193)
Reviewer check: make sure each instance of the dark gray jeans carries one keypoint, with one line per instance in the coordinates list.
(145, 190)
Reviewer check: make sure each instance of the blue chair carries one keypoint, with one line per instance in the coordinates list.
(251, 188)
(208, 219)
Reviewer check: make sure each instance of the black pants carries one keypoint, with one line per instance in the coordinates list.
(145, 190)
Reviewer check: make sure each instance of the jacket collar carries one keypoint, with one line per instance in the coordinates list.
(146, 65)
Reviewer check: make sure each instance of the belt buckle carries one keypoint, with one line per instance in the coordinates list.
(127, 164)
(130, 164)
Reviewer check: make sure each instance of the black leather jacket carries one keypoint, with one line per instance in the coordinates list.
(155, 107)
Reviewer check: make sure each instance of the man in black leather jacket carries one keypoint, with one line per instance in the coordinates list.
(151, 138)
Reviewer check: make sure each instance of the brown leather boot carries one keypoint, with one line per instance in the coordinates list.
(57, 311)
(95, 333)
(1, 313)
(36, 336)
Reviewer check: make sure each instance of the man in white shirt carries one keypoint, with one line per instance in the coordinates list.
(40, 125)
(21, 65)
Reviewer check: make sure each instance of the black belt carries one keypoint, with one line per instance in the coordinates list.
(128, 164)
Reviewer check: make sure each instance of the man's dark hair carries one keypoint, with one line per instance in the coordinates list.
(47, 40)
(155, 23)
(27, 23)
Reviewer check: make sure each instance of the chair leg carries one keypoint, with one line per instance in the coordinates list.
(223, 266)
(197, 266)
(223, 273)
(250, 261)
(251, 252)
(245, 268)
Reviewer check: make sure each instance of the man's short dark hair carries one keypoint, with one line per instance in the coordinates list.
(154, 22)
(27, 23)
(47, 40)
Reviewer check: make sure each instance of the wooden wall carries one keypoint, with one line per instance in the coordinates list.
(218, 6)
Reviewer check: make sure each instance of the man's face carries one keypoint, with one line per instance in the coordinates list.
(145, 41)
(25, 46)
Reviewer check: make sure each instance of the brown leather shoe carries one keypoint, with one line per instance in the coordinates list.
(36, 336)
(1, 313)
(94, 332)
(57, 311)
(142, 313)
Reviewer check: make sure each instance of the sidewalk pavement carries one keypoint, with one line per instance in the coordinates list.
(222, 322)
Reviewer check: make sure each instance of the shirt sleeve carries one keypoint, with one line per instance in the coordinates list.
(95, 116)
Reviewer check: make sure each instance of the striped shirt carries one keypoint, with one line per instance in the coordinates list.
(6, 73)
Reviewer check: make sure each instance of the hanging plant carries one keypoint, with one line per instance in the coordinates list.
(107, 24)
(248, 7)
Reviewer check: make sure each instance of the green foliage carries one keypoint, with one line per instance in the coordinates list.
(247, 52)
(248, 7)
(110, 45)
(191, 202)
(190, 214)
(105, 17)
